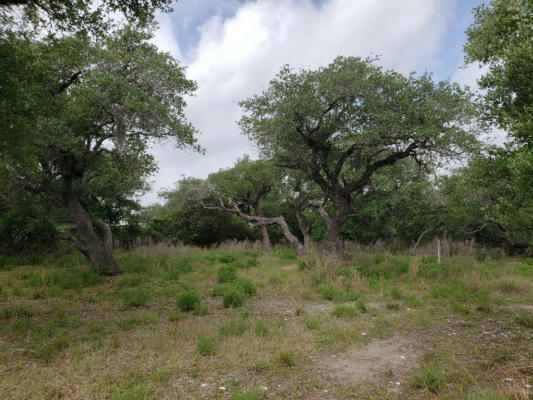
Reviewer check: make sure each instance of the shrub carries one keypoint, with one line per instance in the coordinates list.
(188, 301)
(134, 298)
(344, 311)
(233, 297)
(227, 273)
(247, 286)
(205, 345)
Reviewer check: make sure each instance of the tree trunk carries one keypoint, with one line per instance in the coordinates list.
(333, 245)
(267, 245)
(96, 246)
(304, 229)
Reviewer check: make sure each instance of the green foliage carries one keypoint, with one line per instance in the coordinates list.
(253, 394)
(429, 377)
(188, 301)
(261, 328)
(205, 346)
(330, 292)
(226, 273)
(286, 358)
(133, 298)
(312, 322)
(247, 286)
(234, 327)
(345, 311)
(525, 319)
(233, 297)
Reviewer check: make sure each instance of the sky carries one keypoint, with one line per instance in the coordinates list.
(232, 48)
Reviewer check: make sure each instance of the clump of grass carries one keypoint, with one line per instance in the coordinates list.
(248, 395)
(175, 315)
(299, 311)
(360, 304)
(233, 297)
(396, 293)
(205, 346)
(329, 292)
(286, 253)
(188, 301)
(525, 319)
(412, 301)
(133, 298)
(261, 328)
(130, 281)
(247, 286)
(139, 319)
(429, 377)
(312, 322)
(226, 273)
(234, 327)
(344, 311)
(286, 358)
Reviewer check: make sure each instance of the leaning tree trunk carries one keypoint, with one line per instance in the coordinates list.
(267, 244)
(304, 228)
(93, 237)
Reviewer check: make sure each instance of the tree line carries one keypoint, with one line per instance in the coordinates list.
(346, 151)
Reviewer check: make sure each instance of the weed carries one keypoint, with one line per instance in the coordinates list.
(286, 358)
(205, 346)
(233, 297)
(247, 286)
(396, 293)
(132, 298)
(233, 327)
(226, 273)
(344, 311)
(393, 305)
(412, 301)
(361, 305)
(429, 377)
(261, 328)
(286, 253)
(188, 301)
(17, 312)
(312, 322)
(175, 315)
(248, 395)
(129, 281)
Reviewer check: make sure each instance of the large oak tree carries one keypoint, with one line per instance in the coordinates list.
(91, 111)
(339, 124)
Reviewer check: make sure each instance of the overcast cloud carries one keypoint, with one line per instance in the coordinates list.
(234, 57)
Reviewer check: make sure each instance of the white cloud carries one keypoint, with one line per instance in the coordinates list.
(235, 58)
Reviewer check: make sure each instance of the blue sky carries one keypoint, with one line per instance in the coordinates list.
(232, 48)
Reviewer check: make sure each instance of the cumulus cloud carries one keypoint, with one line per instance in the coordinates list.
(236, 57)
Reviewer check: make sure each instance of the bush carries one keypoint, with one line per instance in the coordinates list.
(234, 297)
(134, 298)
(188, 301)
(227, 273)
(247, 286)
(205, 345)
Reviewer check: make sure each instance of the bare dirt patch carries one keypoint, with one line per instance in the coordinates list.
(379, 359)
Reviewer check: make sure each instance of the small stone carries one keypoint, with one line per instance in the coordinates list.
(402, 357)
(527, 386)
(222, 387)
(363, 333)
(264, 388)
(203, 385)
(397, 383)
(508, 380)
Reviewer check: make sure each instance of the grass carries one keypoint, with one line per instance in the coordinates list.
(273, 322)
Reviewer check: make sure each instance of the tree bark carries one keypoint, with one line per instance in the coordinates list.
(304, 228)
(267, 244)
(93, 237)
(332, 243)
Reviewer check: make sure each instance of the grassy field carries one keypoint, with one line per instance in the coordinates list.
(184, 323)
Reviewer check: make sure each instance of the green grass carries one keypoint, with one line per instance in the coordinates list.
(344, 311)
(205, 346)
(188, 301)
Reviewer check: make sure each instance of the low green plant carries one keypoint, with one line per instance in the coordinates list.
(360, 304)
(286, 358)
(345, 311)
(247, 286)
(233, 297)
(429, 377)
(525, 319)
(188, 301)
(233, 327)
(248, 395)
(205, 346)
(226, 273)
(312, 322)
(133, 298)
(261, 328)
(396, 293)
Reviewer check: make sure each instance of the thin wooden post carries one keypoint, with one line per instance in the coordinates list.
(438, 250)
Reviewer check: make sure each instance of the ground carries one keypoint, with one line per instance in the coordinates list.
(381, 326)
